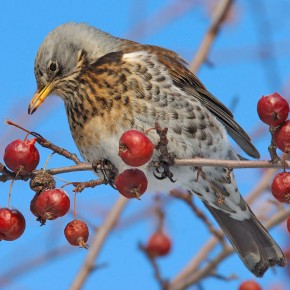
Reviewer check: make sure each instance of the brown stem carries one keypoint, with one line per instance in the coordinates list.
(230, 163)
(157, 273)
(59, 150)
(18, 126)
(80, 186)
(10, 192)
(75, 205)
(47, 144)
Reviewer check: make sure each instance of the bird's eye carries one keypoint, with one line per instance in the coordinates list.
(52, 65)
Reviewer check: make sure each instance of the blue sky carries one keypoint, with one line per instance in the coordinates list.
(249, 59)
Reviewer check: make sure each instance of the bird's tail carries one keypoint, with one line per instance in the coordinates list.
(252, 242)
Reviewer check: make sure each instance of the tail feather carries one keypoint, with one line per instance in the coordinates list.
(251, 240)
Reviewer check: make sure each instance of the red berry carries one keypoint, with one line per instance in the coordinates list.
(135, 148)
(34, 210)
(51, 204)
(77, 233)
(12, 224)
(273, 109)
(21, 156)
(281, 187)
(250, 285)
(282, 137)
(159, 244)
(131, 183)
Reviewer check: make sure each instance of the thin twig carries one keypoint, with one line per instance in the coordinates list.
(81, 185)
(47, 144)
(59, 150)
(97, 243)
(157, 273)
(218, 17)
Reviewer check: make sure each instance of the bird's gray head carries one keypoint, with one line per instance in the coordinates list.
(62, 53)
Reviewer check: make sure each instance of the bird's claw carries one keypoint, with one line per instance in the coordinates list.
(108, 169)
(166, 173)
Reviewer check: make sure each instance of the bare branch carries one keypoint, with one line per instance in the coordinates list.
(59, 150)
(157, 273)
(220, 13)
(5, 174)
(230, 163)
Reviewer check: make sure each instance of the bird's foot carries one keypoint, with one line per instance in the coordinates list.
(108, 169)
(163, 171)
(273, 148)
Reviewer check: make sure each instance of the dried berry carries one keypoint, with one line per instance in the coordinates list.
(42, 181)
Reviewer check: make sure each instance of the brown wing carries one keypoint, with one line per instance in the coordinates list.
(188, 82)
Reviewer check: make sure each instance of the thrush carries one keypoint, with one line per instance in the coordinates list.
(110, 85)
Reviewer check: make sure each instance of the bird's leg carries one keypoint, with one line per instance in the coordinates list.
(108, 169)
(166, 159)
(166, 173)
(272, 148)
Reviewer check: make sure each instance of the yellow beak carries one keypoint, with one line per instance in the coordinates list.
(39, 98)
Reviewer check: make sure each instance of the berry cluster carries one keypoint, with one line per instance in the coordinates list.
(21, 157)
(135, 149)
(49, 203)
(273, 110)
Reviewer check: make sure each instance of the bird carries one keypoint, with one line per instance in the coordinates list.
(110, 85)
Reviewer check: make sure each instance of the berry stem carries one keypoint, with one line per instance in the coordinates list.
(17, 126)
(46, 161)
(75, 205)
(10, 192)
(26, 136)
